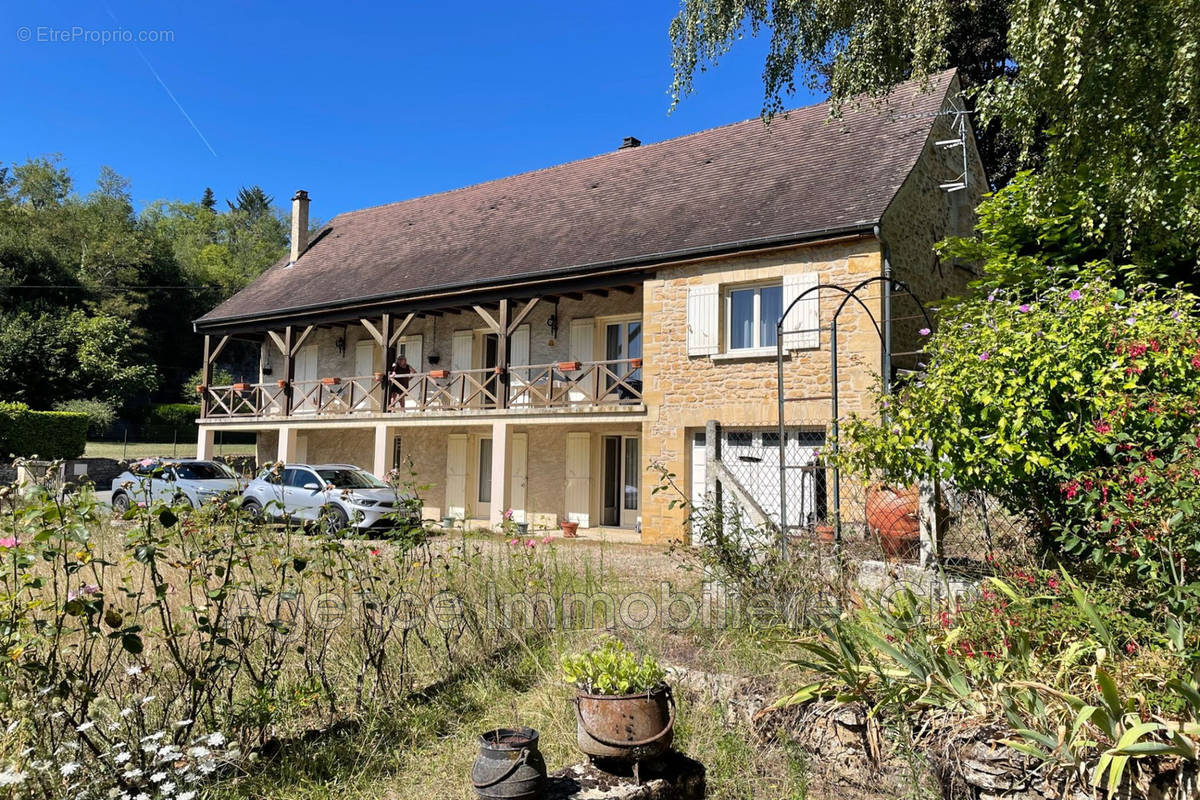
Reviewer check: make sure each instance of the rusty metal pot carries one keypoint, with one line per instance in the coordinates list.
(509, 765)
(628, 727)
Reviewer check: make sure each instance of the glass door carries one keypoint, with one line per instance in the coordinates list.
(620, 491)
(623, 340)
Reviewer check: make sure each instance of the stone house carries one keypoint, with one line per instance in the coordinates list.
(573, 327)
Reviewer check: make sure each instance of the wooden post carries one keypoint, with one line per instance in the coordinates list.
(289, 371)
(503, 337)
(206, 375)
(389, 350)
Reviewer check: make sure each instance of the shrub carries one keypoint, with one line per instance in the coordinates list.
(100, 413)
(167, 419)
(47, 434)
(220, 377)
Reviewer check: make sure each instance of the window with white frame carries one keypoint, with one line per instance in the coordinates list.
(751, 313)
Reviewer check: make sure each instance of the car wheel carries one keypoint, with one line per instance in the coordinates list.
(183, 500)
(333, 520)
(253, 510)
(120, 504)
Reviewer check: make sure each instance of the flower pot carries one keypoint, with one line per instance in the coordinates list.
(509, 765)
(570, 529)
(201, 389)
(331, 381)
(438, 374)
(282, 384)
(629, 727)
(569, 366)
(635, 363)
(498, 370)
(523, 528)
(447, 522)
(241, 387)
(892, 516)
(378, 376)
(824, 533)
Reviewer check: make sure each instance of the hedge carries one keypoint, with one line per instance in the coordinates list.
(167, 420)
(46, 434)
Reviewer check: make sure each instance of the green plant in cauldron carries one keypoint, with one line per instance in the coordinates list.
(624, 708)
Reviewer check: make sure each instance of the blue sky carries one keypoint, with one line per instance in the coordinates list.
(358, 103)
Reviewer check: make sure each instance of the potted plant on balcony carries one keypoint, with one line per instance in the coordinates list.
(439, 374)
(241, 387)
(331, 381)
(281, 383)
(624, 710)
(569, 366)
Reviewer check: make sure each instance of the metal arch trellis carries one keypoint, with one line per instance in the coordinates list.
(885, 335)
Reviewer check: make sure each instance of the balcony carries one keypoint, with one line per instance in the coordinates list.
(570, 386)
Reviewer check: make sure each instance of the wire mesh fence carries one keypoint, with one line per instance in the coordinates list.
(785, 485)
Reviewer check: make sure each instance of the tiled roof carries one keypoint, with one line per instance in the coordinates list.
(801, 175)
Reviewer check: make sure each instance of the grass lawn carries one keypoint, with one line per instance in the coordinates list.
(134, 450)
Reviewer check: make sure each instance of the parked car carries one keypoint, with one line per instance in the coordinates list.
(174, 481)
(336, 496)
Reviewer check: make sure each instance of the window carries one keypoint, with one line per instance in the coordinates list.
(299, 478)
(751, 316)
(739, 438)
(350, 479)
(485, 470)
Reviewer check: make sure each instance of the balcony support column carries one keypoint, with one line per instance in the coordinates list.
(205, 377)
(205, 442)
(384, 463)
(289, 444)
(501, 471)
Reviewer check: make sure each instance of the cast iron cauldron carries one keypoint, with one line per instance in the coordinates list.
(509, 765)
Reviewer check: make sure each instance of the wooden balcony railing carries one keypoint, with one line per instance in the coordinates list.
(543, 386)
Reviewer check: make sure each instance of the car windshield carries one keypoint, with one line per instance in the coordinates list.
(203, 471)
(350, 479)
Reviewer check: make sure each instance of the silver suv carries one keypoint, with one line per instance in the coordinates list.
(174, 481)
(337, 496)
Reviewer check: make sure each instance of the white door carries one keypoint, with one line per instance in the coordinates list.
(306, 379)
(579, 478)
(483, 478)
(519, 476)
(456, 476)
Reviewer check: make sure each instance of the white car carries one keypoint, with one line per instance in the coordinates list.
(338, 496)
(173, 481)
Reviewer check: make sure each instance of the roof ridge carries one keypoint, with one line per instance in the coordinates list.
(642, 147)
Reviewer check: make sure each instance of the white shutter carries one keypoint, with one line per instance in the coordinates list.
(804, 320)
(518, 477)
(579, 477)
(305, 372)
(461, 349)
(581, 347)
(364, 358)
(456, 475)
(412, 346)
(518, 356)
(703, 320)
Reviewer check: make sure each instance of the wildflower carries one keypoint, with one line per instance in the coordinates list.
(985, 355)
(508, 514)
(547, 539)
(85, 726)
(374, 551)
(10, 777)
(121, 757)
(9, 542)
(514, 542)
(216, 739)
(530, 543)
(69, 769)
(924, 331)
(158, 777)
(1075, 294)
(1023, 308)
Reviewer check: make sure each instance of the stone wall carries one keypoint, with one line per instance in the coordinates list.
(920, 216)
(684, 392)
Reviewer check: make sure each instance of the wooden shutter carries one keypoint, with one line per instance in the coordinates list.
(462, 347)
(579, 478)
(518, 477)
(456, 475)
(804, 320)
(703, 320)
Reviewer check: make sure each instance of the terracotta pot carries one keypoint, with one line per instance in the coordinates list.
(241, 387)
(201, 389)
(281, 384)
(498, 370)
(630, 727)
(824, 533)
(892, 513)
(570, 529)
(378, 377)
(439, 373)
(635, 363)
(331, 381)
(568, 366)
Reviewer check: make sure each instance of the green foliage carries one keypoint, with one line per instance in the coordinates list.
(1026, 392)
(46, 434)
(1103, 101)
(612, 669)
(101, 414)
(220, 377)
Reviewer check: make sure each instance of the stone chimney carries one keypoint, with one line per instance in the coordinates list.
(299, 224)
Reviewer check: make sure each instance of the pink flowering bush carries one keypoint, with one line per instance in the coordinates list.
(1073, 404)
